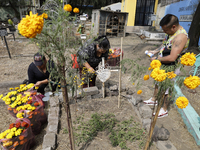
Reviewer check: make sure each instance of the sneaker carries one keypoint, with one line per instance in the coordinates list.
(150, 102)
(162, 113)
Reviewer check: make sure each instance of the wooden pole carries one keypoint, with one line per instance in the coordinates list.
(154, 123)
(120, 71)
(67, 109)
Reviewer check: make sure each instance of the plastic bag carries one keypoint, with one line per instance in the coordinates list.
(24, 141)
(36, 117)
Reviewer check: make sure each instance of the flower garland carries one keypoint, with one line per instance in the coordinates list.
(188, 59)
(192, 82)
(182, 102)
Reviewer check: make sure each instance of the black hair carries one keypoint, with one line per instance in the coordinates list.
(169, 20)
(103, 42)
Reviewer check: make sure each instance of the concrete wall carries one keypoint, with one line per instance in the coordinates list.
(159, 15)
(129, 6)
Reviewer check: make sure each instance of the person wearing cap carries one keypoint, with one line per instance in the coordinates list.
(90, 55)
(38, 72)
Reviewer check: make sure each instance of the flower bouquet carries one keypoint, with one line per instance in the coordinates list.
(33, 111)
(19, 136)
(18, 97)
(114, 56)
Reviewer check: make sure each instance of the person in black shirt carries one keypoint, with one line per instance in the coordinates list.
(91, 53)
(38, 72)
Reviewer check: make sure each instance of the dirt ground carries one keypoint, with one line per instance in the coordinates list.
(15, 69)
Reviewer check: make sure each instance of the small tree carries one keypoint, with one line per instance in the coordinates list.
(58, 42)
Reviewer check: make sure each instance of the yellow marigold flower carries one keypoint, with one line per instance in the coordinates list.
(31, 25)
(171, 75)
(36, 87)
(13, 98)
(76, 10)
(146, 77)
(44, 15)
(68, 8)
(158, 75)
(192, 82)
(16, 88)
(149, 68)
(20, 115)
(155, 64)
(8, 143)
(133, 83)
(139, 91)
(10, 88)
(182, 102)
(188, 59)
(13, 129)
(1, 96)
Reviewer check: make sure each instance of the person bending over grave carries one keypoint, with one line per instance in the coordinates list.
(38, 73)
(90, 55)
(174, 45)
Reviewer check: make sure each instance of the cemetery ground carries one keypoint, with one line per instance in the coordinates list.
(14, 71)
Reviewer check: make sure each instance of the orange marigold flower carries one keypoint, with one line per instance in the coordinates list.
(21, 137)
(21, 142)
(24, 124)
(11, 125)
(36, 104)
(146, 77)
(18, 125)
(139, 91)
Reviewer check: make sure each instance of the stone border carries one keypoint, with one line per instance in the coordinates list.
(144, 114)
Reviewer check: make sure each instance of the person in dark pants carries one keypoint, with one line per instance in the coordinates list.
(38, 73)
(90, 55)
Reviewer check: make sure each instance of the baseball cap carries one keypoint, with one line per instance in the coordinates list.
(39, 59)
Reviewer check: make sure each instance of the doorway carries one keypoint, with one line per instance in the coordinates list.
(144, 10)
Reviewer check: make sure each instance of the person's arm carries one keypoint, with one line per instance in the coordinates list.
(177, 47)
(156, 50)
(39, 83)
(87, 65)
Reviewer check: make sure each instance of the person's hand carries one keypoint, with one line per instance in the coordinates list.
(153, 52)
(153, 58)
(91, 70)
(38, 84)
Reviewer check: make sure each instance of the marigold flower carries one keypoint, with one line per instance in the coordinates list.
(139, 91)
(1, 96)
(36, 104)
(10, 88)
(44, 15)
(21, 137)
(18, 124)
(133, 83)
(16, 143)
(11, 125)
(24, 124)
(155, 64)
(171, 75)
(146, 77)
(188, 59)
(31, 25)
(192, 82)
(149, 68)
(182, 102)
(68, 8)
(158, 75)
(76, 10)
(16, 88)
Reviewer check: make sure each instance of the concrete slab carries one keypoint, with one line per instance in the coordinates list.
(190, 118)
